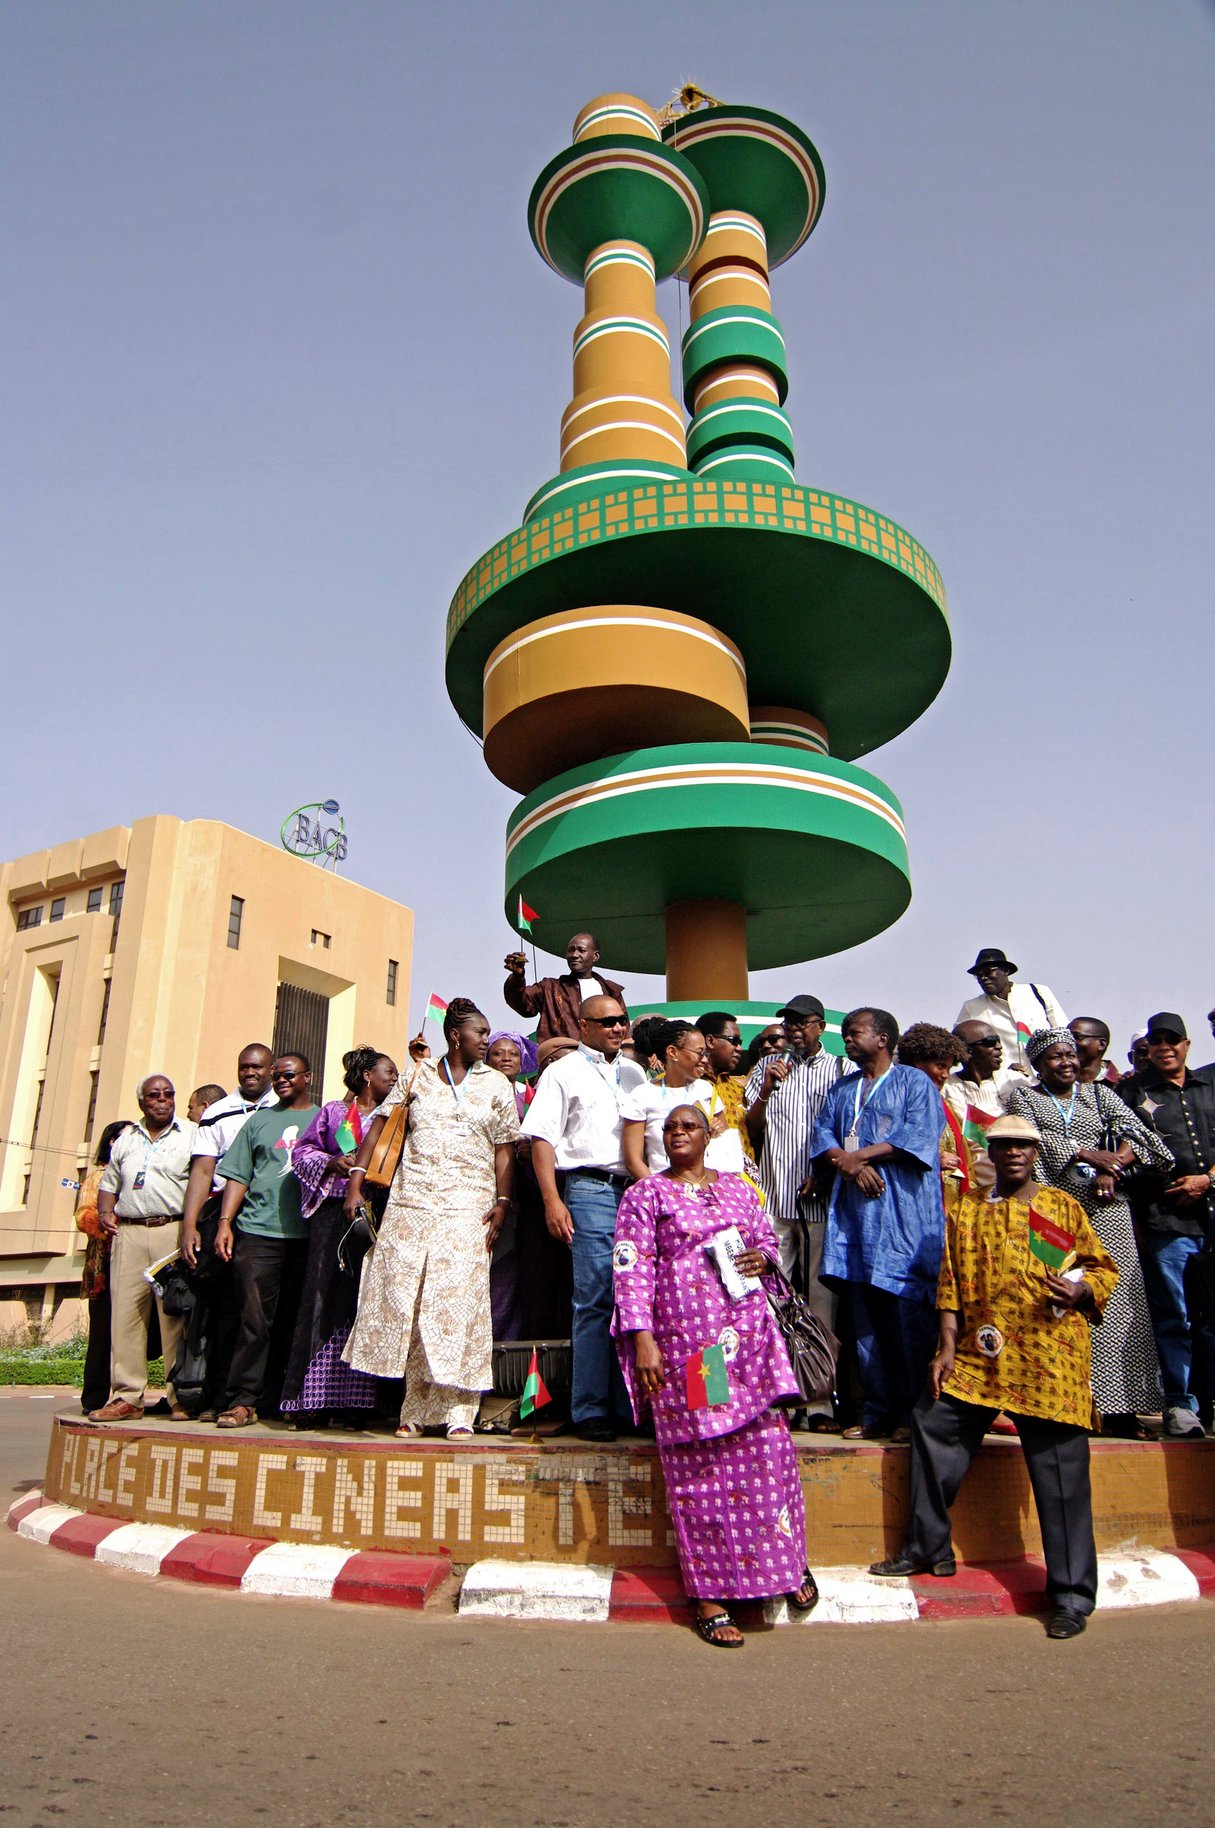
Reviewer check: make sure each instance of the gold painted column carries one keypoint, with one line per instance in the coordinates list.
(706, 952)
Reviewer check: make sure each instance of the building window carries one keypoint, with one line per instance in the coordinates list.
(390, 995)
(57, 907)
(94, 906)
(236, 914)
(324, 940)
(25, 1186)
(105, 1012)
(116, 889)
(29, 917)
(89, 1120)
(37, 1113)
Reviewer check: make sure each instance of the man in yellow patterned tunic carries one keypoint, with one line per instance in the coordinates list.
(1022, 1277)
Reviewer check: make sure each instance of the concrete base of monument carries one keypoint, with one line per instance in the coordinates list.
(562, 1529)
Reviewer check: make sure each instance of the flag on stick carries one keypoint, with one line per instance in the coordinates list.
(525, 917)
(436, 1009)
(976, 1126)
(707, 1381)
(349, 1133)
(1049, 1242)
(1024, 1031)
(535, 1395)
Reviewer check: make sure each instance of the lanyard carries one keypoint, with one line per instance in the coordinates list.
(457, 1091)
(1068, 1113)
(863, 1097)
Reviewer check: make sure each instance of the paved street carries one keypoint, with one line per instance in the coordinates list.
(150, 1704)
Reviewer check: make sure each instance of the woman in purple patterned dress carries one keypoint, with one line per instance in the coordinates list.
(733, 1490)
(319, 1387)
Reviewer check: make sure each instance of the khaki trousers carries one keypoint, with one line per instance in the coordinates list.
(136, 1248)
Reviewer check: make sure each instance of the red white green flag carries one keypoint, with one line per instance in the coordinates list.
(349, 1133)
(1024, 1031)
(525, 917)
(535, 1395)
(1050, 1243)
(707, 1381)
(977, 1124)
(436, 1009)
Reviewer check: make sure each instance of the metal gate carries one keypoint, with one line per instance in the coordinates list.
(301, 1026)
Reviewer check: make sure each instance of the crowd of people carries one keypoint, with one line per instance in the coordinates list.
(1000, 1228)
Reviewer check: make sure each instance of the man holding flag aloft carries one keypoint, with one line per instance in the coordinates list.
(1022, 1277)
(557, 1001)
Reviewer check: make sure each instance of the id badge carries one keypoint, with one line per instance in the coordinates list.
(852, 1142)
(140, 1178)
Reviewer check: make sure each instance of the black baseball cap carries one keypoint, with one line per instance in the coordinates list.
(1167, 1022)
(803, 1006)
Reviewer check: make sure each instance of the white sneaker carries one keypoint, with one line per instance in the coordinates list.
(1182, 1422)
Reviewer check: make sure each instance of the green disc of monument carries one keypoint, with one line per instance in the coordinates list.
(813, 848)
(758, 162)
(616, 187)
(836, 610)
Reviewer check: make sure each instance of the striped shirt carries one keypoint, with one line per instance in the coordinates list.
(792, 1111)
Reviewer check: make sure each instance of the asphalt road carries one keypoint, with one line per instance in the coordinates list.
(150, 1704)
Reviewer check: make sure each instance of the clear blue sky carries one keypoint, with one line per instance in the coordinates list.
(281, 362)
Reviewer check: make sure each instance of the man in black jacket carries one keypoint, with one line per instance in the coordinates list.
(1176, 1214)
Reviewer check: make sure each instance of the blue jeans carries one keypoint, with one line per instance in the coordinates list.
(896, 1337)
(599, 1392)
(1165, 1255)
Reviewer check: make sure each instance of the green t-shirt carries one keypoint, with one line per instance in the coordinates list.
(260, 1158)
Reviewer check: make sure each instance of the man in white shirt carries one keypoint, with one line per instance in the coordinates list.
(139, 1204)
(975, 1093)
(1013, 1010)
(217, 1129)
(575, 1124)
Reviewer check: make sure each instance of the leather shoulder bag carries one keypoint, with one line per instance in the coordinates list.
(389, 1144)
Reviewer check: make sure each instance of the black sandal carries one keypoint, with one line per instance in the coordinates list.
(711, 1629)
(810, 1585)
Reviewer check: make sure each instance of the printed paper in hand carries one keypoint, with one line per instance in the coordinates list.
(723, 1248)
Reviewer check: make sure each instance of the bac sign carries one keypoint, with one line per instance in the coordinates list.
(317, 832)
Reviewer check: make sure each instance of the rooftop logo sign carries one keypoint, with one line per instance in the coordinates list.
(316, 832)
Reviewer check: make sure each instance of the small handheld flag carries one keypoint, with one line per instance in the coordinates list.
(525, 917)
(436, 1009)
(1024, 1031)
(1049, 1242)
(535, 1395)
(976, 1126)
(349, 1133)
(707, 1381)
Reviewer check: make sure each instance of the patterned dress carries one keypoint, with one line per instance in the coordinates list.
(317, 1380)
(733, 1490)
(1126, 1375)
(424, 1308)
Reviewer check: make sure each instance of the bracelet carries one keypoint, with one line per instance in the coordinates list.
(356, 1170)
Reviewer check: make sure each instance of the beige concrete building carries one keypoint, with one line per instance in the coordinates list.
(164, 946)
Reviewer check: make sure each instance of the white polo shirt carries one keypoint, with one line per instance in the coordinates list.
(222, 1122)
(578, 1108)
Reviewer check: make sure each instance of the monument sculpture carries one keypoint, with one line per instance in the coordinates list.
(678, 656)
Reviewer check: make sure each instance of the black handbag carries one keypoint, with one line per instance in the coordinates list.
(356, 1241)
(812, 1347)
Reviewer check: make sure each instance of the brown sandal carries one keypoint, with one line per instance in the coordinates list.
(240, 1417)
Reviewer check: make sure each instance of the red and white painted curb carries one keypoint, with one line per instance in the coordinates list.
(290, 1569)
(587, 1594)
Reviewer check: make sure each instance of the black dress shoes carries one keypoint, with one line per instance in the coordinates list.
(904, 1564)
(1064, 1623)
(594, 1431)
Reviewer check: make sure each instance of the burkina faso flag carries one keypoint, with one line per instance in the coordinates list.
(707, 1381)
(976, 1126)
(535, 1395)
(1049, 1242)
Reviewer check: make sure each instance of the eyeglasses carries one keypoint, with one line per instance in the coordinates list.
(609, 1021)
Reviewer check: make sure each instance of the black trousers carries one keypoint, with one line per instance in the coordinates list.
(945, 1437)
(267, 1281)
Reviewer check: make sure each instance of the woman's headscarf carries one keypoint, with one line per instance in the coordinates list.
(1043, 1039)
(526, 1046)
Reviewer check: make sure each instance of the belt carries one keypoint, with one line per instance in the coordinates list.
(603, 1174)
(160, 1218)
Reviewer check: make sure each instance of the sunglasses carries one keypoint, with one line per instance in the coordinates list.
(987, 1041)
(609, 1021)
